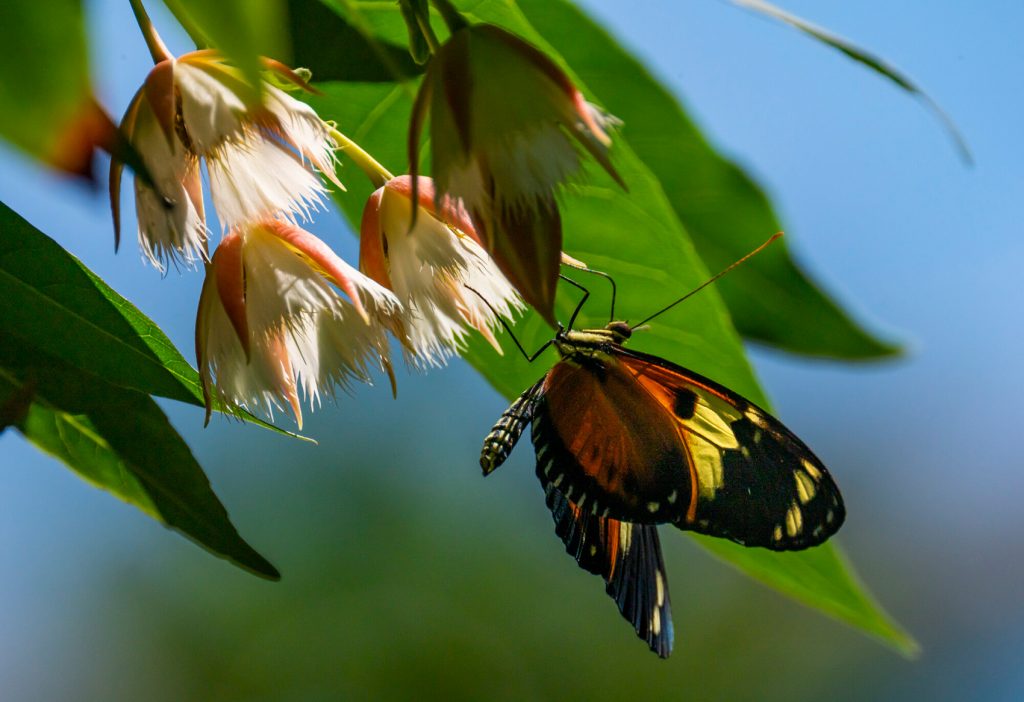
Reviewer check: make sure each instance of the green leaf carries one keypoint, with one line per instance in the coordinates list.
(638, 239)
(52, 301)
(770, 298)
(337, 50)
(244, 30)
(821, 577)
(119, 440)
(861, 56)
(46, 100)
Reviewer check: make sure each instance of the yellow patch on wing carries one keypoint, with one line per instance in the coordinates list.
(707, 460)
(794, 520)
(811, 469)
(711, 419)
(805, 487)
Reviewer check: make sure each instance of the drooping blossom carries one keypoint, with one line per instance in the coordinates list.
(262, 158)
(435, 265)
(506, 128)
(273, 324)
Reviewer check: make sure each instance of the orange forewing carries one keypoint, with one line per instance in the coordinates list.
(614, 444)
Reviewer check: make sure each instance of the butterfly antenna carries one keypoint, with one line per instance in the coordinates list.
(580, 266)
(710, 280)
(529, 358)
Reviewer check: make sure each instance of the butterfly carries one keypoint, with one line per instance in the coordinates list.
(626, 440)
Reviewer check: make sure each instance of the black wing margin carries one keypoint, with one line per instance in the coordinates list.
(628, 557)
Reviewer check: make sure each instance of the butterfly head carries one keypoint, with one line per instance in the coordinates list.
(620, 330)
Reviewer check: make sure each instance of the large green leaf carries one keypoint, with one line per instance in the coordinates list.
(770, 298)
(350, 55)
(46, 101)
(119, 440)
(52, 301)
(637, 238)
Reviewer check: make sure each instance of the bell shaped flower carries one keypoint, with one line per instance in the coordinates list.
(273, 325)
(507, 127)
(435, 265)
(262, 158)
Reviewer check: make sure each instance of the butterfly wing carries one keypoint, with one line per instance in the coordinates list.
(628, 557)
(634, 437)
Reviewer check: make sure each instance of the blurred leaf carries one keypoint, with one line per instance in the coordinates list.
(46, 102)
(119, 440)
(52, 301)
(638, 239)
(243, 30)
(770, 298)
(863, 57)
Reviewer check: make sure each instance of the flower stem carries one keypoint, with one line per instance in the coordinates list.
(157, 49)
(377, 174)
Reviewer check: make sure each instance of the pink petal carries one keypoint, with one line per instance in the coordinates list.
(372, 260)
(228, 266)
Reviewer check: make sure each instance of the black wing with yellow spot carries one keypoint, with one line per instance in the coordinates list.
(628, 557)
(636, 438)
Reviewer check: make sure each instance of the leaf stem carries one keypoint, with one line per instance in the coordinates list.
(452, 17)
(377, 173)
(428, 32)
(157, 49)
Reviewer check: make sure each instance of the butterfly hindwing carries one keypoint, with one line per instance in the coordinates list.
(628, 558)
(634, 437)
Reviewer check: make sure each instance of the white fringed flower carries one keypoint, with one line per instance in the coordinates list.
(507, 129)
(272, 324)
(262, 158)
(172, 225)
(433, 266)
(505, 122)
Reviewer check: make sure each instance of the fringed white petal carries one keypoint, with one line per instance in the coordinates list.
(211, 112)
(528, 167)
(253, 383)
(301, 127)
(306, 338)
(171, 229)
(280, 284)
(430, 268)
(259, 178)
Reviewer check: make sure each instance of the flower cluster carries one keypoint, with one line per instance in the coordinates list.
(282, 319)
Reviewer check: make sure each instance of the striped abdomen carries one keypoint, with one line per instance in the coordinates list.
(507, 430)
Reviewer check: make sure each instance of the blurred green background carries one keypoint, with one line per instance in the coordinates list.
(407, 575)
